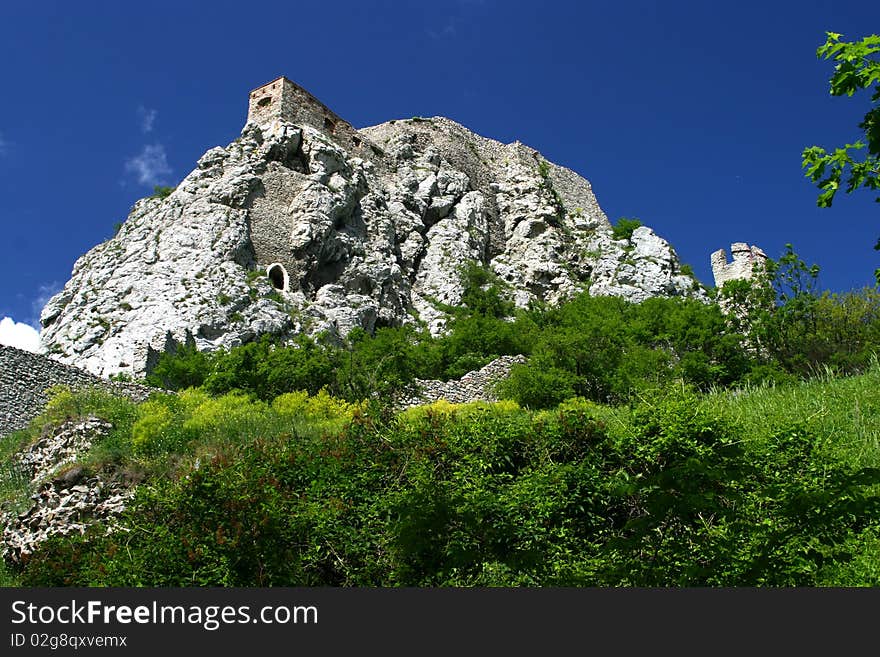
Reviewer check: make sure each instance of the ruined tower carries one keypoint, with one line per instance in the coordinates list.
(746, 259)
(273, 216)
(284, 100)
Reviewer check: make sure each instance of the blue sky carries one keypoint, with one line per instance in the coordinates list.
(690, 116)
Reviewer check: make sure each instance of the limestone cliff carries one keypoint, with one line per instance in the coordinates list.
(304, 224)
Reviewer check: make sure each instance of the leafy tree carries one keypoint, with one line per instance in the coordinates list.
(794, 329)
(483, 293)
(858, 67)
(186, 368)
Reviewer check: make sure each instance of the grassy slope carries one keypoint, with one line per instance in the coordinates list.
(843, 414)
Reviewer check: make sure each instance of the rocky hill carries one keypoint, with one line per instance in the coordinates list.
(304, 224)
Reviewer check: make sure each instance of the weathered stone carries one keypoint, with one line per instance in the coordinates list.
(63, 504)
(747, 261)
(478, 385)
(304, 224)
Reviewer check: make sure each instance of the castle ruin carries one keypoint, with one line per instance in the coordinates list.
(274, 107)
(284, 100)
(747, 260)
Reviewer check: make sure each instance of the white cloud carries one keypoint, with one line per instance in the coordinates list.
(147, 117)
(18, 334)
(448, 31)
(151, 166)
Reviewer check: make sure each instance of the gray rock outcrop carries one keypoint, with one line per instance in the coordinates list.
(315, 226)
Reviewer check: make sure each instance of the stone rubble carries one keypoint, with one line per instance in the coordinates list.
(67, 498)
(477, 385)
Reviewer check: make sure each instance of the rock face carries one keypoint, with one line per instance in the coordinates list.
(304, 224)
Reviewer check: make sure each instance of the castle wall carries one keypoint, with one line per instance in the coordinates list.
(265, 104)
(271, 222)
(744, 260)
(24, 378)
(477, 385)
(282, 99)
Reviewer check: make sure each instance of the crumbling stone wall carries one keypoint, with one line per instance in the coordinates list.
(24, 378)
(474, 386)
(745, 261)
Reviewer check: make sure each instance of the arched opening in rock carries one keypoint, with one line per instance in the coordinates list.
(264, 101)
(278, 276)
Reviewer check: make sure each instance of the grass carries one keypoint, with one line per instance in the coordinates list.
(845, 412)
(15, 484)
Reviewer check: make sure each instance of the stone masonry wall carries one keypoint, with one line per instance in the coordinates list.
(24, 378)
(745, 258)
(473, 386)
(283, 99)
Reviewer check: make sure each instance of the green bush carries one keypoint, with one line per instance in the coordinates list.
(792, 327)
(160, 191)
(681, 490)
(623, 228)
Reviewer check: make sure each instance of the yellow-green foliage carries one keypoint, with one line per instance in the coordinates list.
(231, 412)
(318, 408)
(169, 422)
(62, 405)
(154, 420)
(440, 409)
(183, 422)
(445, 411)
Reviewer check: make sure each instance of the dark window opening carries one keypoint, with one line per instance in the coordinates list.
(264, 101)
(357, 142)
(276, 276)
(329, 125)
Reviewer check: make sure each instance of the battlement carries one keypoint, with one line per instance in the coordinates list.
(746, 259)
(283, 100)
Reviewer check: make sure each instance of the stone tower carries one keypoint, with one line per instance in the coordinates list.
(746, 259)
(284, 100)
(274, 100)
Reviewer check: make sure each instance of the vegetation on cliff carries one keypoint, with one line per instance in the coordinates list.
(653, 444)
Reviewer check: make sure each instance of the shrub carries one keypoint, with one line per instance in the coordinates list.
(160, 191)
(623, 228)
